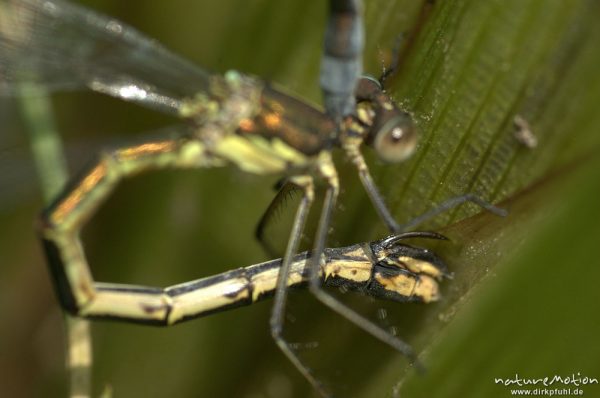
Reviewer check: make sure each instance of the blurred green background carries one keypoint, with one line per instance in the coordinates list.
(524, 297)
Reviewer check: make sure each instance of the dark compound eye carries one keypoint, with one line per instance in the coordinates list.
(396, 140)
(392, 134)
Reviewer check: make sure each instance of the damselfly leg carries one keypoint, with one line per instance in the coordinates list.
(285, 191)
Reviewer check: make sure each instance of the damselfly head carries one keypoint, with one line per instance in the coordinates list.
(390, 131)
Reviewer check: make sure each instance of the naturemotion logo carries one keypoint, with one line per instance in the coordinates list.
(572, 380)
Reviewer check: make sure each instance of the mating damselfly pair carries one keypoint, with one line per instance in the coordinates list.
(230, 119)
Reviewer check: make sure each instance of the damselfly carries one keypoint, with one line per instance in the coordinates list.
(230, 119)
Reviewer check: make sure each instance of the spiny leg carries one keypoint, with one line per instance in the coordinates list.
(451, 204)
(285, 192)
(376, 198)
(277, 316)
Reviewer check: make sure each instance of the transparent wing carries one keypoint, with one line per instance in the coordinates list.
(63, 46)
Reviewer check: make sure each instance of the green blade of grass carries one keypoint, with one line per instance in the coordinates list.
(48, 155)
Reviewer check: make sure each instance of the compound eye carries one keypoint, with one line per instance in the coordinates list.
(396, 140)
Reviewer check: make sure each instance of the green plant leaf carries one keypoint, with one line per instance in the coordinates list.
(522, 300)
